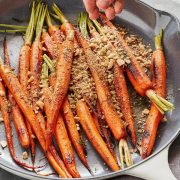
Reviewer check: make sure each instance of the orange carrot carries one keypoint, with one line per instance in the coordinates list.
(20, 97)
(93, 135)
(159, 83)
(142, 81)
(112, 118)
(6, 117)
(50, 45)
(54, 31)
(138, 77)
(59, 161)
(65, 147)
(124, 102)
(62, 82)
(120, 87)
(18, 118)
(55, 164)
(73, 132)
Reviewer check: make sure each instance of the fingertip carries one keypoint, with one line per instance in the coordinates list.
(110, 13)
(104, 4)
(118, 6)
(94, 15)
(90, 5)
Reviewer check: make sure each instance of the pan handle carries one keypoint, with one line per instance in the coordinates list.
(155, 168)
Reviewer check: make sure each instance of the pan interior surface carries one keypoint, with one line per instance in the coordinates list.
(137, 18)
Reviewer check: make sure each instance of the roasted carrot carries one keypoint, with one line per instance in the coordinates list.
(54, 31)
(112, 118)
(106, 132)
(18, 118)
(36, 61)
(65, 147)
(5, 109)
(20, 97)
(50, 45)
(119, 83)
(124, 102)
(24, 57)
(73, 132)
(60, 133)
(159, 83)
(93, 135)
(138, 77)
(59, 161)
(50, 156)
(62, 82)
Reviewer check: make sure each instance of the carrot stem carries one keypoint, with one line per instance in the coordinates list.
(30, 28)
(49, 63)
(40, 21)
(59, 13)
(158, 40)
(13, 26)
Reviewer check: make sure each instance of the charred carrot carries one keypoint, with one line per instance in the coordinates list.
(138, 77)
(36, 61)
(123, 97)
(59, 161)
(18, 118)
(54, 31)
(20, 97)
(111, 116)
(93, 135)
(50, 45)
(24, 57)
(120, 85)
(73, 132)
(60, 133)
(65, 147)
(50, 156)
(62, 82)
(106, 132)
(5, 109)
(159, 82)
(113, 119)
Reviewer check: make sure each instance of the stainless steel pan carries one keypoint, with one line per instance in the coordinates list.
(146, 22)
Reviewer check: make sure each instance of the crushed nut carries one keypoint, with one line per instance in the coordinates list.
(25, 155)
(3, 144)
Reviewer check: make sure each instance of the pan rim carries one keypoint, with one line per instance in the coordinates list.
(28, 175)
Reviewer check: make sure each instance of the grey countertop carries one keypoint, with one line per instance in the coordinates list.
(172, 6)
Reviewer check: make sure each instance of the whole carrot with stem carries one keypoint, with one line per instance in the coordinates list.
(24, 57)
(69, 121)
(138, 77)
(36, 61)
(18, 118)
(61, 134)
(46, 91)
(112, 118)
(119, 83)
(93, 135)
(62, 82)
(159, 84)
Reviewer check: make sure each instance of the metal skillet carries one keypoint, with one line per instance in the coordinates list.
(146, 22)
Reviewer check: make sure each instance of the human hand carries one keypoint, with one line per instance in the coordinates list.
(110, 7)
